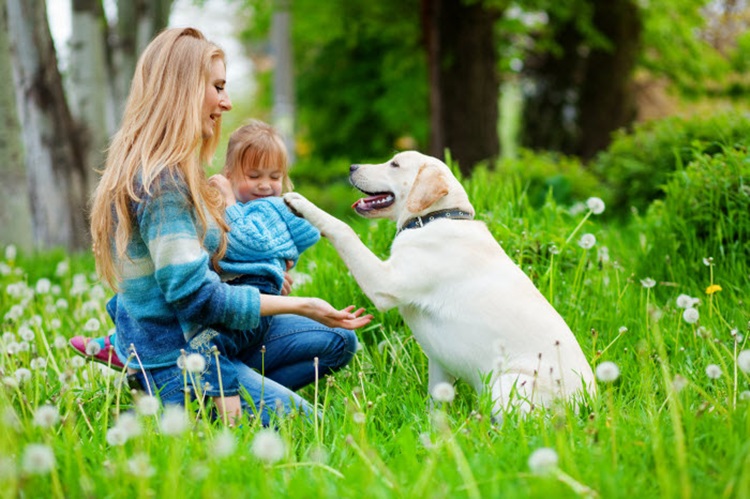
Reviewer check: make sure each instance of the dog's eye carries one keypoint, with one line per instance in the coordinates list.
(394, 164)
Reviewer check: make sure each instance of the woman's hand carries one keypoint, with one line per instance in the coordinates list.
(315, 309)
(224, 186)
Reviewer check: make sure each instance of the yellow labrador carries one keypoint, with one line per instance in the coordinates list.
(476, 315)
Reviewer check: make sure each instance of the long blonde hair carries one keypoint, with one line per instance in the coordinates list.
(257, 144)
(161, 132)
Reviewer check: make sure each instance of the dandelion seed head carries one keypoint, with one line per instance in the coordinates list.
(745, 396)
(43, 286)
(691, 315)
(543, 461)
(62, 304)
(174, 421)
(38, 459)
(38, 363)
(268, 446)
(622, 330)
(77, 362)
(318, 454)
(147, 405)
(554, 250)
(743, 361)
(26, 333)
(12, 348)
(687, 301)
(679, 383)
(10, 252)
(195, 363)
(587, 241)
(62, 268)
(713, 371)
(708, 261)
(93, 348)
(10, 382)
(359, 417)
(140, 466)
(596, 205)
(92, 325)
(22, 375)
(116, 436)
(648, 283)
(426, 441)
(46, 416)
(607, 372)
(224, 444)
(129, 424)
(443, 392)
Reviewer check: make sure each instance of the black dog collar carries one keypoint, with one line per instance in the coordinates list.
(421, 221)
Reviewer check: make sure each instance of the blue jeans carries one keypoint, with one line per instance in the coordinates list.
(268, 380)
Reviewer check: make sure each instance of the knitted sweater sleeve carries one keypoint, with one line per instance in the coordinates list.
(182, 269)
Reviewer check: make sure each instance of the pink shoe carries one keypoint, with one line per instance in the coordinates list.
(106, 355)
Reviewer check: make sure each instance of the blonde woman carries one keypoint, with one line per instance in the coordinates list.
(158, 234)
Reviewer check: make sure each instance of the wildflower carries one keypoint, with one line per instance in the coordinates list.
(93, 348)
(10, 382)
(79, 286)
(577, 208)
(686, 301)
(147, 405)
(116, 436)
(195, 363)
(62, 304)
(543, 461)
(708, 261)
(63, 268)
(443, 392)
(15, 313)
(622, 330)
(587, 241)
(603, 254)
(92, 325)
(10, 252)
(679, 383)
(743, 361)
(46, 416)
(713, 288)
(648, 283)
(129, 424)
(554, 250)
(691, 315)
(43, 286)
(60, 342)
(139, 465)
(174, 421)
(426, 441)
(596, 205)
(745, 395)
(224, 444)
(38, 363)
(38, 459)
(713, 371)
(359, 417)
(12, 348)
(607, 372)
(22, 375)
(317, 454)
(268, 446)
(77, 362)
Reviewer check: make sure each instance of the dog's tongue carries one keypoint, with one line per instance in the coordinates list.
(373, 202)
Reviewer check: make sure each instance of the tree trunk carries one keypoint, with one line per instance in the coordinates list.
(283, 75)
(464, 82)
(15, 208)
(55, 163)
(88, 81)
(581, 96)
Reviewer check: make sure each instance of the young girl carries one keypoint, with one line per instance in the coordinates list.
(157, 229)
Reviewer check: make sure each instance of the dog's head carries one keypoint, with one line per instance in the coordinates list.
(408, 185)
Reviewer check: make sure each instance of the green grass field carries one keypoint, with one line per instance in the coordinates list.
(674, 423)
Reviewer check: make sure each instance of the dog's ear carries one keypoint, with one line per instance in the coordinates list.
(429, 186)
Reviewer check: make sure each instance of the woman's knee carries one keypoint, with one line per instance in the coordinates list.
(344, 353)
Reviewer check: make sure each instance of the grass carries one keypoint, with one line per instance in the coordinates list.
(663, 428)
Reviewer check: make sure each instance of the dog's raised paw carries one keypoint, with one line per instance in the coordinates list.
(293, 200)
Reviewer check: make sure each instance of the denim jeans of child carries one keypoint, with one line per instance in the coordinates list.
(268, 374)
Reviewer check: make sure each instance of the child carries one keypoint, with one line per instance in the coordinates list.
(265, 240)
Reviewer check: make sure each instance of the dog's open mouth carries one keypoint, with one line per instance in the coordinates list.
(374, 202)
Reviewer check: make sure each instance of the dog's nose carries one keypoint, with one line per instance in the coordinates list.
(353, 168)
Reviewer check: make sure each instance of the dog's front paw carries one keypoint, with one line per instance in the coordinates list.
(296, 203)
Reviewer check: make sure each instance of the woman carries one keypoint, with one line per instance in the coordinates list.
(158, 230)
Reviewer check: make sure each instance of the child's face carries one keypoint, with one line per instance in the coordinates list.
(251, 183)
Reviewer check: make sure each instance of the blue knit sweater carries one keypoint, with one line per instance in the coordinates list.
(169, 291)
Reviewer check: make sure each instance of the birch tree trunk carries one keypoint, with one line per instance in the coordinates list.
(55, 163)
(15, 208)
(283, 77)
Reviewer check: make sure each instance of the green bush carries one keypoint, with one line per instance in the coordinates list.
(706, 209)
(636, 165)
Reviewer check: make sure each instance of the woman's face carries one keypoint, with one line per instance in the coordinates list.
(216, 100)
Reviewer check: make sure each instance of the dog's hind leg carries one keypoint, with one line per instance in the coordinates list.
(513, 391)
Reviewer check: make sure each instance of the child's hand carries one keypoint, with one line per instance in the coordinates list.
(222, 183)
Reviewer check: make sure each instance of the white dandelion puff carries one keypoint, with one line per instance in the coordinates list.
(140, 466)
(587, 241)
(62, 268)
(607, 372)
(10, 382)
(543, 461)
(10, 252)
(92, 325)
(26, 333)
(648, 283)
(22, 375)
(38, 459)
(60, 342)
(195, 363)
(46, 416)
(77, 362)
(691, 315)
(686, 301)
(224, 444)
(743, 361)
(443, 392)
(38, 363)
(679, 383)
(148, 405)
(174, 421)
(116, 436)
(43, 286)
(745, 396)
(708, 261)
(129, 424)
(93, 348)
(596, 205)
(268, 446)
(713, 371)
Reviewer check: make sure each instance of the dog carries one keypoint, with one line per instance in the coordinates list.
(474, 312)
